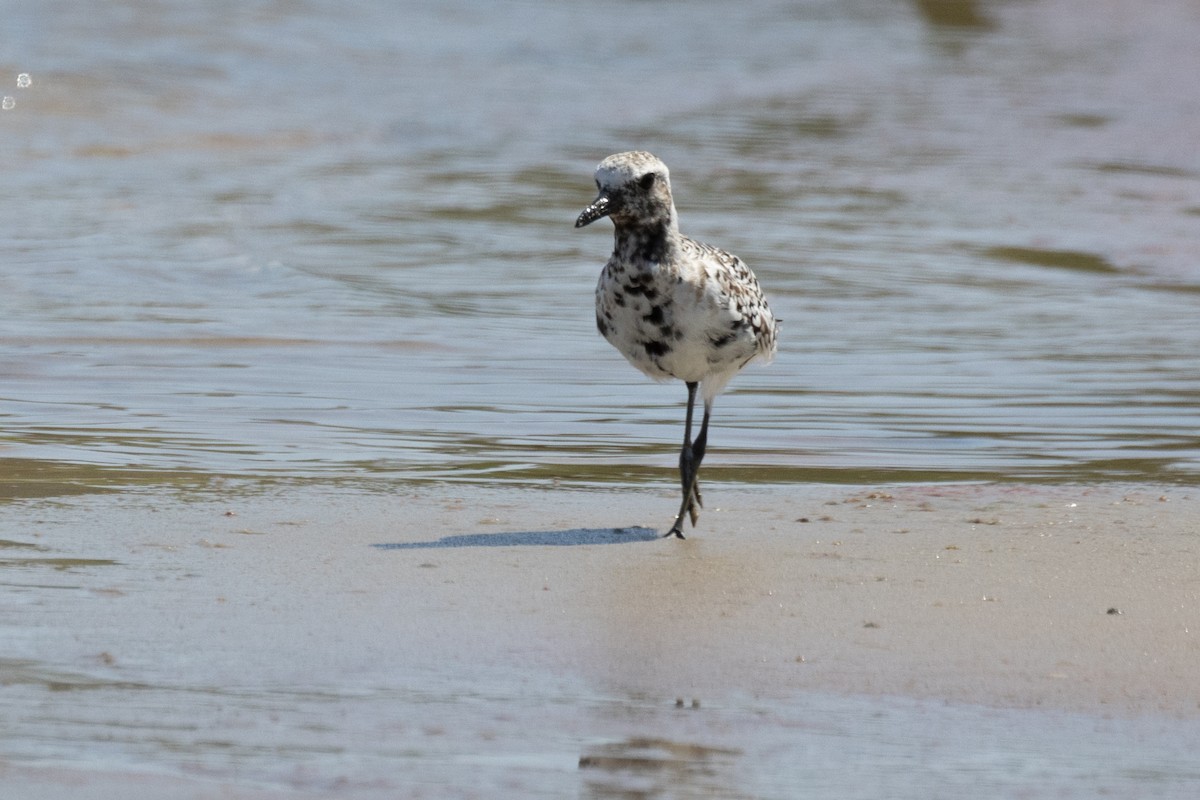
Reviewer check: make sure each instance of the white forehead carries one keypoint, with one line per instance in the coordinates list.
(621, 168)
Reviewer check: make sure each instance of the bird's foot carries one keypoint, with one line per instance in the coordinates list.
(689, 465)
(690, 509)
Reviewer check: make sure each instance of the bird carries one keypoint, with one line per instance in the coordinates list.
(674, 307)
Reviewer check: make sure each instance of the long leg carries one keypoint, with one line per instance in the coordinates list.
(687, 452)
(689, 466)
(691, 487)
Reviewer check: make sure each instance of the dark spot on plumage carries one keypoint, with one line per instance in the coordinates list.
(655, 316)
(641, 284)
(721, 341)
(619, 299)
(667, 332)
(653, 244)
(600, 326)
(645, 241)
(657, 349)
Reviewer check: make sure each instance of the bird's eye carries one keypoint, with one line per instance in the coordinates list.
(647, 180)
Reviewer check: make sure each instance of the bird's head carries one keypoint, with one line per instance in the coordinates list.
(635, 189)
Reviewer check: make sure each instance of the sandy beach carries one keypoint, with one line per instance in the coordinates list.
(212, 641)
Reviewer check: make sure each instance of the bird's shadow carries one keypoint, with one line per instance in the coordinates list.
(567, 538)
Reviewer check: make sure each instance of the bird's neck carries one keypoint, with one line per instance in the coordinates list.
(645, 243)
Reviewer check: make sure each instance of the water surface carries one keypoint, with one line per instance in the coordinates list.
(334, 241)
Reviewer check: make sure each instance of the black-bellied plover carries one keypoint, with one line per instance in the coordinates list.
(674, 307)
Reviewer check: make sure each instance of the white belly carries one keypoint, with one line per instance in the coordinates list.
(669, 328)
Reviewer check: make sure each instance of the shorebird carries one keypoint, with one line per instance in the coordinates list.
(674, 307)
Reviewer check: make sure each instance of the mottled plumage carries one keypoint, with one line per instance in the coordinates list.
(676, 308)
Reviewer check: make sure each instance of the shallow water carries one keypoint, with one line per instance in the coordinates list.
(334, 240)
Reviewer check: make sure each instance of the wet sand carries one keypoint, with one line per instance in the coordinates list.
(520, 630)
(1073, 598)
